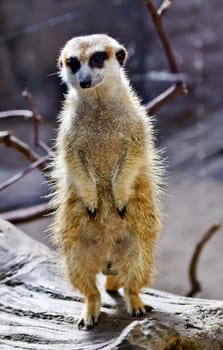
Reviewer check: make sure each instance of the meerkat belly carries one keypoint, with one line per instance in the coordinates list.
(113, 242)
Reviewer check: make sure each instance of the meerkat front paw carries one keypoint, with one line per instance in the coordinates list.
(122, 211)
(91, 212)
(121, 203)
(91, 208)
(121, 207)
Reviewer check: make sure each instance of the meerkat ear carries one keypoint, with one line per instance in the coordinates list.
(121, 56)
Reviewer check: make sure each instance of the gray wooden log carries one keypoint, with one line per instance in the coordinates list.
(39, 310)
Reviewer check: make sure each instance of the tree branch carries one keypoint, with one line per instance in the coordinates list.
(179, 88)
(36, 120)
(165, 97)
(26, 214)
(195, 284)
(24, 113)
(22, 147)
(37, 164)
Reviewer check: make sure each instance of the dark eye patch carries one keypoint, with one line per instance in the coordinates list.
(97, 59)
(73, 63)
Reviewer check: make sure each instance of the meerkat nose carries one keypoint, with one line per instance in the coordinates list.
(85, 83)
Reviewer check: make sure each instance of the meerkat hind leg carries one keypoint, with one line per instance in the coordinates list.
(91, 311)
(87, 286)
(134, 304)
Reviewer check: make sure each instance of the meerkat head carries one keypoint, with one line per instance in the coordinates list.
(87, 61)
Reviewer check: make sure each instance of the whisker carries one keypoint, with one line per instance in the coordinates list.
(55, 73)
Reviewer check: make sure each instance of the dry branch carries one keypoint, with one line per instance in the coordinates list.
(36, 120)
(38, 163)
(195, 284)
(26, 214)
(24, 113)
(36, 116)
(164, 98)
(179, 88)
(11, 141)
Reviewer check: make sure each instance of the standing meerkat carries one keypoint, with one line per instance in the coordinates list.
(106, 177)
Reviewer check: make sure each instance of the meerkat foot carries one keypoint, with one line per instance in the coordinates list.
(87, 321)
(90, 314)
(134, 304)
(112, 284)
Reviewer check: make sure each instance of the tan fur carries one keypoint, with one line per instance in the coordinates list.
(105, 160)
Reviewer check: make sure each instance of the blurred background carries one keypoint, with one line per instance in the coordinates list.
(190, 128)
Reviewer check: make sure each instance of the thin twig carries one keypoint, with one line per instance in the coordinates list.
(195, 284)
(36, 161)
(179, 88)
(36, 120)
(165, 97)
(157, 21)
(20, 146)
(36, 116)
(24, 113)
(37, 164)
(26, 214)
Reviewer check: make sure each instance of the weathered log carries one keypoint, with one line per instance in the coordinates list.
(39, 310)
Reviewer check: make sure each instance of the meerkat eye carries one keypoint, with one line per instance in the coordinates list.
(121, 56)
(97, 59)
(73, 63)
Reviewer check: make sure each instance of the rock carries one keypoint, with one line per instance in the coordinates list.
(39, 311)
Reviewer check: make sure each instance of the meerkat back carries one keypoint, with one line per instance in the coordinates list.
(106, 177)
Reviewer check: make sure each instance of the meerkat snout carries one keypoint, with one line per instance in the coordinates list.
(85, 62)
(85, 81)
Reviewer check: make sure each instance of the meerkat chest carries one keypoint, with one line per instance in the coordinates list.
(102, 143)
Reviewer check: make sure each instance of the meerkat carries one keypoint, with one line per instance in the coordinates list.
(106, 177)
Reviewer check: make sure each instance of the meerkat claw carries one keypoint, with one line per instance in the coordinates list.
(91, 213)
(87, 324)
(141, 311)
(122, 212)
(149, 308)
(138, 312)
(81, 323)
